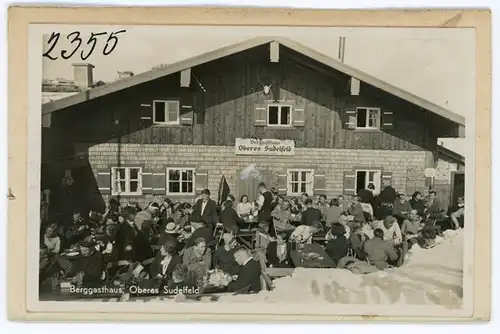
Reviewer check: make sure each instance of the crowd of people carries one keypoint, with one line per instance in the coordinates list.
(174, 244)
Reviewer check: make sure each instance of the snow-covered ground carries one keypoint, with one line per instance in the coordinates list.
(429, 277)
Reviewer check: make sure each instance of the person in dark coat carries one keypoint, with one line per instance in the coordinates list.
(206, 209)
(89, 267)
(338, 246)
(388, 195)
(417, 203)
(248, 279)
(131, 244)
(229, 218)
(164, 263)
(180, 282)
(366, 195)
(223, 256)
(264, 203)
(310, 214)
(278, 252)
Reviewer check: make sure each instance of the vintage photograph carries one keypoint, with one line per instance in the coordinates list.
(196, 164)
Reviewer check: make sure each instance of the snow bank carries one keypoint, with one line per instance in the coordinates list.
(429, 277)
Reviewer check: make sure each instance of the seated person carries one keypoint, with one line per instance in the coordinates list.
(223, 256)
(51, 239)
(278, 252)
(401, 208)
(180, 279)
(457, 214)
(379, 251)
(88, 269)
(229, 218)
(337, 245)
(411, 226)
(282, 216)
(249, 272)
(333, 213)
(347, 230)
(164, 263)
(169, 233)
(262, 236)
(392, 232)
(198, 255)
(199, 230)
(356, 240)
(304, 233)
(310, 214)
(356, 210)
(244, 207)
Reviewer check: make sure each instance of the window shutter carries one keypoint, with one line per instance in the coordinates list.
(350, 119)
(186, 109)
(349, 183)
(201, 180)
(147, 181)
(104, 181)
(387, 176)
(159, 181)
(299, 116)
(146, 113)
(319, 183)
(282, 183)
(260, 115)
(387, 119)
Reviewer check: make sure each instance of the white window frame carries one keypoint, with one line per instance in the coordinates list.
(166, 102)
(289, 182)
(367, 180)
(368, 109)
(279, 115)
(127, 191)
(180, 169)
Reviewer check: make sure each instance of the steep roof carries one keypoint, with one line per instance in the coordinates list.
(242, 46)
(451, 154)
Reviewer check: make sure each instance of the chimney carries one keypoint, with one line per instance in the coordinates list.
(83, 75)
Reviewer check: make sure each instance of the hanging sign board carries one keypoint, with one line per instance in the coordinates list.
(277, 147)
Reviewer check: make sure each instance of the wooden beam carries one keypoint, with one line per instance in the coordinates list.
(186, 77)
(355, 84)
(274, 52)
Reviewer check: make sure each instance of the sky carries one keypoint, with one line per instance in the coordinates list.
(435, 64)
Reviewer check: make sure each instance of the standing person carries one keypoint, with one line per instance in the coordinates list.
(310, 214)
(323, 206)
(206, 209)
(264, 203)
(333, 213)
(385, 200)
(366, 195)
(378, 251)
(131, 244)
(244, 207)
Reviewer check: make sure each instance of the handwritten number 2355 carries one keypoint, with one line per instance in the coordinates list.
(76, 41)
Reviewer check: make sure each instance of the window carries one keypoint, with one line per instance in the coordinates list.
(279, 115)
(367, 118)
(126, 181)
(180, 181)
(365, 177)
(300, 181)
(166, 112)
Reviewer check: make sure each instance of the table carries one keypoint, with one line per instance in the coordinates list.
(325, 262)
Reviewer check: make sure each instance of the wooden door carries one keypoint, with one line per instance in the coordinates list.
(250, 186)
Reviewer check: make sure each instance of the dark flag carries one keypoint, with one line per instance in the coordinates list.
(224, 191)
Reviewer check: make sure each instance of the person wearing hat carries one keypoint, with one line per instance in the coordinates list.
(223, 256)
(88, 269)
(206, 209)
(169, 233)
